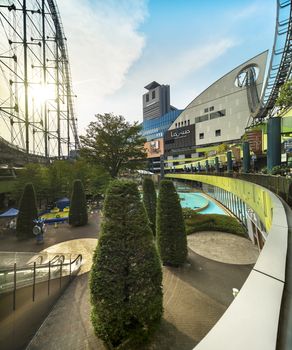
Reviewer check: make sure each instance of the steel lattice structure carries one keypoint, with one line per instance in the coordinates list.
(36, 99)
(281, 59)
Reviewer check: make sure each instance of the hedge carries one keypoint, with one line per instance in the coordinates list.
(126, 276)
(196, 222)
(171, 234)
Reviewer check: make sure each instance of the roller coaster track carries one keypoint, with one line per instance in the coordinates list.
(36, 102)
(281, 59)
(63, 47)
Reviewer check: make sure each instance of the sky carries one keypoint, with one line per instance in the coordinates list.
(116, 47)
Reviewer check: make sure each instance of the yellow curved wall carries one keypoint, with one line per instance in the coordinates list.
(256, 197)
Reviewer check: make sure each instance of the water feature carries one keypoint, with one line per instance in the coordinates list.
(197, 200)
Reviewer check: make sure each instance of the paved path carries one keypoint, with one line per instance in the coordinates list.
(53, 235)
(84, 246)
(224, 247)
(195, 297)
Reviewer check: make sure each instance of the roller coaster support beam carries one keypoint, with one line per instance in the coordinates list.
(274, 143)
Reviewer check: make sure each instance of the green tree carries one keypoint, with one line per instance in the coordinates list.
(54, 181)
(27, 213)
(284, 99)
(149, 200)
(35, 174)
(113, 143)
(126, 276)
(170, 227)
(78, 208)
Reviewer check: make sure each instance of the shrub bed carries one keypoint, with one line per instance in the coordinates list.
(195, 222)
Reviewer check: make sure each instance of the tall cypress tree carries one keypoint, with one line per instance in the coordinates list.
(126, 276)
(171, 233)
(149, 200)
(27, 213)
(78, 208)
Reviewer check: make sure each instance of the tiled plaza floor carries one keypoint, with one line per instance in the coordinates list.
(195, 297)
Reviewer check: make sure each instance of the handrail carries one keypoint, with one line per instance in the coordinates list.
(57, 258)
(16, 277)
(252, 320)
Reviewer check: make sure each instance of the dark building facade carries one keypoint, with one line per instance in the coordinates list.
(156, 102)
(180, 139)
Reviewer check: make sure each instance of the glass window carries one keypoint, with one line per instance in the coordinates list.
(211, 109)
(201, 135)
(206, 110)
(185, 122)
(218, 132)
(153, 94)
(218, 114)
(202, 118)
(147, 98)
(188, 122)
(176, 125)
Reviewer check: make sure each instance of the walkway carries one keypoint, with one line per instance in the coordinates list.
(53, 235)
(195, 297)
(224, 247)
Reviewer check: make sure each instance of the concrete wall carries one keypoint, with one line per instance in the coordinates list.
(17, 327)
(223, 95)
(252, 320)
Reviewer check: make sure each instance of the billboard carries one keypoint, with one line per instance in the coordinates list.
(154, 148)
(179, 138)
(255, 139)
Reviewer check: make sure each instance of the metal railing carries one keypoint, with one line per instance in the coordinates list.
(280, 185)
(15, 277)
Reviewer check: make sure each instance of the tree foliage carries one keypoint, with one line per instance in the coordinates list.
(170, 227)
(284, 99)
(55, 180)
(113, 143)
(27, 213)
(126, 275)
(78, 208)
(149, 200)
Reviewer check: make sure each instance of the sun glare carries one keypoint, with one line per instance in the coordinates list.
(42, 93)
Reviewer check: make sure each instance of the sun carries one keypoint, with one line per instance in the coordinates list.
(41, 93)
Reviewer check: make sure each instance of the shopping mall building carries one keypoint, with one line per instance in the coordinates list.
(219, 115)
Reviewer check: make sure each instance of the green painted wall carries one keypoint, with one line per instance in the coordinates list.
(256, 197)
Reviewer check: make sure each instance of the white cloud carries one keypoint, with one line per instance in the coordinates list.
(175, 71)
(246, 12)
(193, 59)
(103, 43)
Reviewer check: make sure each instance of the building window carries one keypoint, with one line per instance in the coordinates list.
(176, 125)
(185, 122)
(201, 118)
(206, 110)
(218, 132)
(147, 98)
(153, 94)
(218, 114)
(188, 122)
(211, 109)
(201, 135)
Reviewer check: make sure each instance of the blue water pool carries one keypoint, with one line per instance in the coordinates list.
(197, 200)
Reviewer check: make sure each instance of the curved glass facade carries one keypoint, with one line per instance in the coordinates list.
(156, 128)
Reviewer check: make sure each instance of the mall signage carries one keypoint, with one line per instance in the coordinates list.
(255, 139)
(180, 134)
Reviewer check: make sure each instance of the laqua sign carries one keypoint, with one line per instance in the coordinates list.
(179, 138)
(180, 134)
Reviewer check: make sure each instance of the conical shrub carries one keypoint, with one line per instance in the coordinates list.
(126, 277)
(78, 208)
(170, 227)
(149, 200)
(27, 213)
